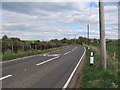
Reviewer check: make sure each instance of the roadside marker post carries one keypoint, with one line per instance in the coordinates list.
(88, 47)
(91, 58)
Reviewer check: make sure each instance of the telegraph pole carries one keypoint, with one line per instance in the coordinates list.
(88, 34)
(75, 38)
(102, 34)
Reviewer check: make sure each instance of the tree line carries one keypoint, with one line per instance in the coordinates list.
(16, 44)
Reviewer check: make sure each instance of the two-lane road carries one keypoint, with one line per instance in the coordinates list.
(52, 70)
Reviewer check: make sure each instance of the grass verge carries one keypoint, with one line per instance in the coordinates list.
(95, 77)
(9, 55)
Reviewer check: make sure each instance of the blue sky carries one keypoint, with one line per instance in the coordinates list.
(50, 20)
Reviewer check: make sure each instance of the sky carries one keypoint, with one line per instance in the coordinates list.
(56, 20)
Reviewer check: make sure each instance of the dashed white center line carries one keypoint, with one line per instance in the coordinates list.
(5, 77)
(54, 55)
(47, 61)
(66, 52)
(75, 47)
(73, 50)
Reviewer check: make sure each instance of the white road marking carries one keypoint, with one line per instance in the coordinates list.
(25, 57)
(49, 55)
(73, 72)
(66, 52)
(75, 47)
(44, 54)
(47, 61)
(73, 50)
(54, 55)
(5, 77)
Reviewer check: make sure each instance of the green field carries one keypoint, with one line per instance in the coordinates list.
(94, 76)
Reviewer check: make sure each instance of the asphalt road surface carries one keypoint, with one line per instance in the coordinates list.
(52, 70)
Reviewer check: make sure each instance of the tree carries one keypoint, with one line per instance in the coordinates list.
(14, 39)
(95, 40)
(5, 38)
(63, 40)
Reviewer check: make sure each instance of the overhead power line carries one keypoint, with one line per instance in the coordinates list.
(90, 13)
(88, 25)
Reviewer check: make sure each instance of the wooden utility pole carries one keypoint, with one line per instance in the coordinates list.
(102, 34)
(35, 47)
(12, 48)
(23, 46)
(88, 33)
(30, 46)
(75, 38)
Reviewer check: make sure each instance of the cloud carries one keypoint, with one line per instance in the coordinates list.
(34, 8)
(55, 20)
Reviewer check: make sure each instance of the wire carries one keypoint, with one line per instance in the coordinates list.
(89, 22)
(90, 13)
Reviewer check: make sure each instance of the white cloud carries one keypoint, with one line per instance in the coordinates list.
(55, 20)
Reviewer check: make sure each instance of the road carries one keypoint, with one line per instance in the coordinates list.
(52, 70)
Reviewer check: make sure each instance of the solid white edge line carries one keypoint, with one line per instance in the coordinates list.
(5, 77)
(47, 61)
(69, 79)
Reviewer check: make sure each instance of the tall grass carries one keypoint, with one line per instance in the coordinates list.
(112, 48)
(95, 77)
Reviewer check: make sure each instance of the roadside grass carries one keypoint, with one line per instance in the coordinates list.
(8, 55)
(95, 77)
(111, 49)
